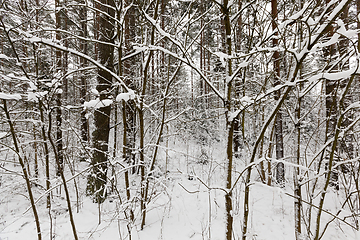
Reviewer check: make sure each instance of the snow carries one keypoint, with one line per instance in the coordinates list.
(222, 56)
(331, 17)
(346, 33)
(310, 21)
(3, 56)
(300, 13)
(34, 39)
(8, 96)
(32, 86)
(130, 95)
(34, 96)
(334, 39)
(97, 103)
(339, 75)
(3, 134)
(95, 92)
(333, 76)
(180, 208)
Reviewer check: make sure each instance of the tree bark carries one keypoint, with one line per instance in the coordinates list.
(331, 87)
(229, 122)
(129, 73)
(280, 171)
(58, 75)
(97, 180)
(83, 63)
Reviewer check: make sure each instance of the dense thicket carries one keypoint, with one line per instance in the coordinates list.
(274, 83)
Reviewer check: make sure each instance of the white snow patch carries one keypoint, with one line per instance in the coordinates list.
(222, 56)
(3, 56)
(130, 95)
(32, 86)
(246, 100)
(347, 33)
(3, 134)
(34, 96)
(94, 91)
(8, 96)
(339, 75)
(233, 115)
(97, 103)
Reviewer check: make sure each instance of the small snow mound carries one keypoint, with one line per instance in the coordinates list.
(97, 103)
(130, 95)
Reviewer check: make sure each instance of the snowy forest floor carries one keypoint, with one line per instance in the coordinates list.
(182, 208)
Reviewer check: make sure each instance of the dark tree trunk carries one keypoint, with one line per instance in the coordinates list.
(83, 63)
(129, 72)
(331, 88)
(239, 90)
(280, 171)
(98, 179)
(229, 122)
(59, 68)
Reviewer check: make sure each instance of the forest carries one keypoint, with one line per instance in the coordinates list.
(179, 119)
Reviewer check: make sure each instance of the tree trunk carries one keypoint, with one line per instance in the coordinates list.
(296, 174)
(297, 186)
(46, 149)
(97, 180)
(144, 179)
(129, 72)
(240, 92)
(280, 171)
(61, 173)
(229, 122)
(83, 63)
(331, 87)
(58, 75)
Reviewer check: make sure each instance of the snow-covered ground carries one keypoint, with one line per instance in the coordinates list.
(182, 208)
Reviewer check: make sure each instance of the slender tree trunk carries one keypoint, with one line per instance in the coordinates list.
(156, 149)
(58, 74)
(115, 148)
(229, 122)
(121, 37)
(144, 189)
(331, 104)
(61, 173)
(36, 63)
(240, 92)
(297, 186)
(331, 162)
(280, 171)
(46, 149)
(36, 170)
(125, 150)
(269, 155)
(83, 77)
(129, 72)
